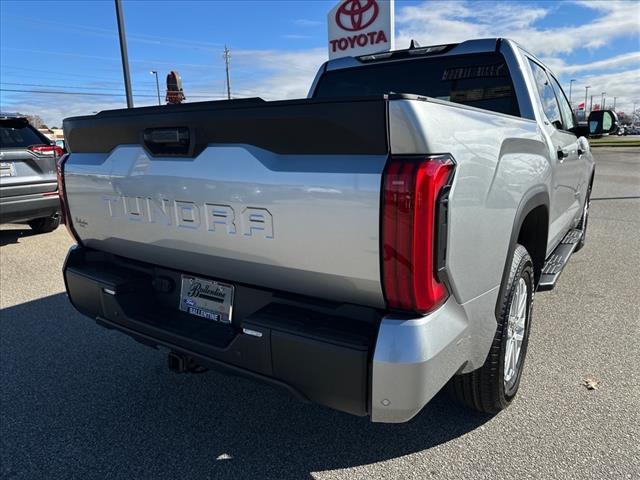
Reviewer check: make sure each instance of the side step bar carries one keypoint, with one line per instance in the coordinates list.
(558, 259)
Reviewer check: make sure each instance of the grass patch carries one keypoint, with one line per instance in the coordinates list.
(633, 143)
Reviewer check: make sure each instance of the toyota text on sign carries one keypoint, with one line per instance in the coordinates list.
(360, 27)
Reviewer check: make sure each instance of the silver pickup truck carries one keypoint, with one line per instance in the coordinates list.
(361, 248)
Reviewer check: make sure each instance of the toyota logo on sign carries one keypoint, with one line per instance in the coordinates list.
(360, 27)
(354, 15)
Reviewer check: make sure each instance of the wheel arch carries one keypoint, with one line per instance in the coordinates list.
(532, 211)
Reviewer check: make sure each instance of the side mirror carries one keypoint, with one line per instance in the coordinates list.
(602, 122)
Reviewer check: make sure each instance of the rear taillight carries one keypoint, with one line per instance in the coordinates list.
(46, 150)
(66, 217)
(410, 223)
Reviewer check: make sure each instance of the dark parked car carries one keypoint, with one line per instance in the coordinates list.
(28, 184)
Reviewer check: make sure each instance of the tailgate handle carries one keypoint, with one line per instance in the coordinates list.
(168, 141)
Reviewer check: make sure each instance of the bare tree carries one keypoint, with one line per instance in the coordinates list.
(36, 121)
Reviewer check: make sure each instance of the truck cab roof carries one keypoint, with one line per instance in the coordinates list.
(416, 51)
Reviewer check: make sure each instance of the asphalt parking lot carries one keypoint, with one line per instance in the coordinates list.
(78, 401)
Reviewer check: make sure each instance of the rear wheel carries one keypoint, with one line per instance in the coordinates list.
(44, 225)
(493, 386)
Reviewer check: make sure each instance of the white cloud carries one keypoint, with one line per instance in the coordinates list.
(53, 108)
(623, 85)
(284, 74)
(448, 22)
(296, 36)
(559, 66)
(437, 22)
(305, 22)
(278, 74)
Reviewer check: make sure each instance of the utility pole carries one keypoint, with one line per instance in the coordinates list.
(614, 103)
(571, 85)
(226, 57)
(602, 101)
(154, 72)
(586, 90)
(123, 54)
(591, 104)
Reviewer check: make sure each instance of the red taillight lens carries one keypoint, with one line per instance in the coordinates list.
(411, 193)
(46, 150)
(66, 217)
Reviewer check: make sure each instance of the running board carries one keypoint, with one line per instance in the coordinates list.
(558, 259)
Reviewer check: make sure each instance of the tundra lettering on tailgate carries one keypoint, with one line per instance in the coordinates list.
(248, 221)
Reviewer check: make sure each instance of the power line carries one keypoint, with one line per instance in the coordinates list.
(60, 92)
(109, 33)
(60, 86)
(57, 73)
(111, 59)
(94, 94)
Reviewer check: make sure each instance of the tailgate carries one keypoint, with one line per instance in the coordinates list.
(23, 173)
(284, 195)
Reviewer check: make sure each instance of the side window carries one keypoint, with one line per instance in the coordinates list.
(547, 95)
(565, 107)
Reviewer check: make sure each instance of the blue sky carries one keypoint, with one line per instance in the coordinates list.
(276, 46)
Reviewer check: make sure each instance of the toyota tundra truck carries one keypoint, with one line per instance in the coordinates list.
(361, 248)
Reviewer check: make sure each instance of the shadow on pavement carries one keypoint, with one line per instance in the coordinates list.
(13, 235)
(78, 401)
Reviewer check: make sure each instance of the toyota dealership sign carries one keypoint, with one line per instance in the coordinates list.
(360, 27)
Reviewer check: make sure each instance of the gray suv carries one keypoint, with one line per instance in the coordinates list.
(28, 185)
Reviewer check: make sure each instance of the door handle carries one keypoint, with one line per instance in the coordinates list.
(562, 154)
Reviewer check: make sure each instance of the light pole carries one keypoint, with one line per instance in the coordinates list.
(123, 54)
(614, 103)
(571, 85)
(154, 72)
(602, 101)
(586, 90)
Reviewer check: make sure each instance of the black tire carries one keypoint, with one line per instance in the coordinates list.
(584, 221)
(45, 225)
(486, 388)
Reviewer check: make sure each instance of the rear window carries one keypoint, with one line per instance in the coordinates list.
(481, 81)
(18, 134)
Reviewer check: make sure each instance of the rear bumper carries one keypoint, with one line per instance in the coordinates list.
(414, 358)
(22, 208)
(388, 368)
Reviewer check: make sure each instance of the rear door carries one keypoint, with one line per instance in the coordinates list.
(575, 163)
(563, 157)
(22, 170)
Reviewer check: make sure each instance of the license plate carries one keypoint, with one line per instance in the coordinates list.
(206, 298)
(7, 169)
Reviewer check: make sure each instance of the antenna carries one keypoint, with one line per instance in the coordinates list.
(227, 57)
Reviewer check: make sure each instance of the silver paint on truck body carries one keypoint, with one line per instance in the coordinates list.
(415, 357)
(305, 224)
(498, 158)
(500, 161)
